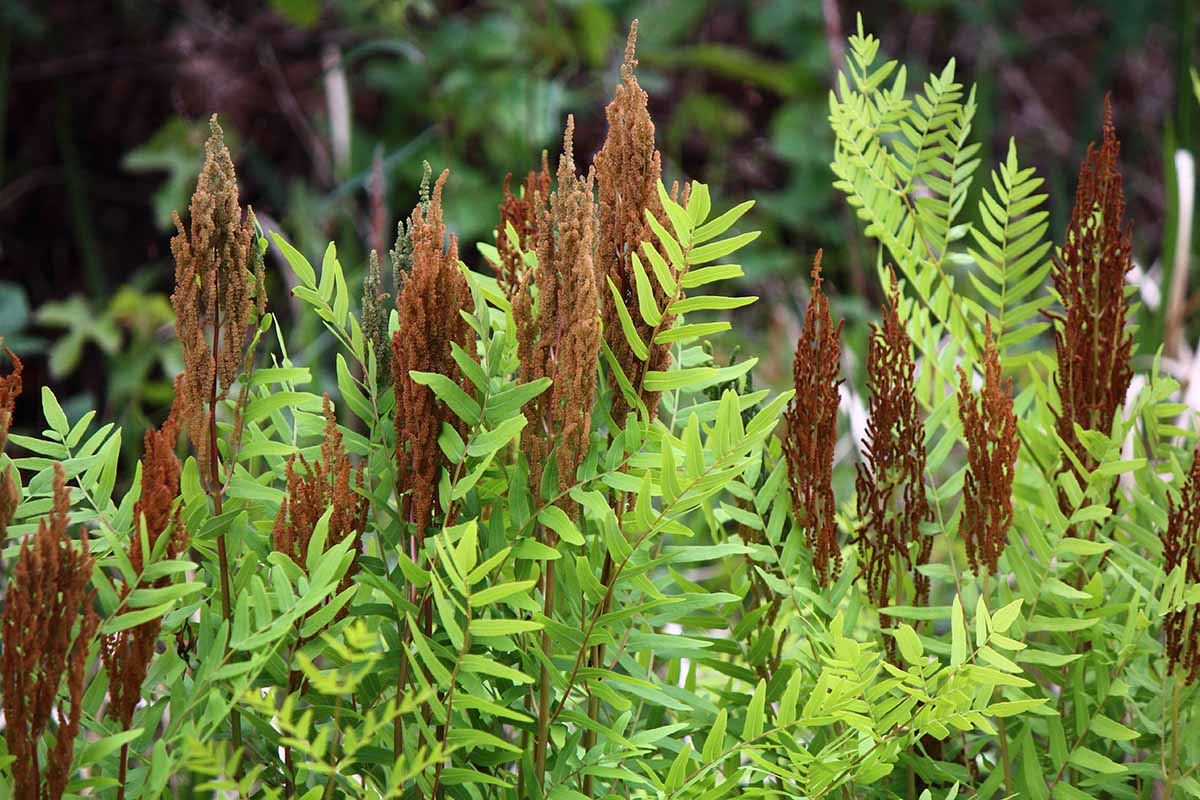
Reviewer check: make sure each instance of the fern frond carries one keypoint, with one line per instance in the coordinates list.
(1012, 254)
(905, 167)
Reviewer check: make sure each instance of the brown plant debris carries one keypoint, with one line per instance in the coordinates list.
(1181, 549)
(811, 436)
(47, 601)
(433, 294)
(558, 335)
(127, 654)
(990, 427)
(318, 486)
(1094, 346)
(10, 488)
(522, 213)
(628, 169)
(891, 493)
(218, 273)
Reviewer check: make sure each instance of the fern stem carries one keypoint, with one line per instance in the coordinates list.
(122, 770)
(543, 729)
(333, 743)
(217, 492)
(1174, 768)
(435, 792)
(1008, 774)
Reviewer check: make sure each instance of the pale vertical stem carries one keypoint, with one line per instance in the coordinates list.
(216, 492)
(543, 728)
(1174, 768)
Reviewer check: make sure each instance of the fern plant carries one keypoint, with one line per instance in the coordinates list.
(542, 537)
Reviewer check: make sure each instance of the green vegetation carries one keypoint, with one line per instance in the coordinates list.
(526, 528)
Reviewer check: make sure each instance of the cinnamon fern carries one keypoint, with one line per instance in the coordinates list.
(527, 527)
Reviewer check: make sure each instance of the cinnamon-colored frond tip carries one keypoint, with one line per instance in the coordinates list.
(560, 338)
(522, 213)
(892, 502)
(315, 487)
(628, 169)
(1093, 344)
(1181, 549)
(127, 654)
(429, 304)
(990, 427)
(10, 488)
(218, 274)
(48, 623)
(10, 390)
(811, 435)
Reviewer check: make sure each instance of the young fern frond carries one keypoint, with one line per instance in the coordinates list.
(690, 251)
(905, 167)
(1013, 257)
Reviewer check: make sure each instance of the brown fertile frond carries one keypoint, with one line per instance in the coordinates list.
(522, 213)
(429, 304)
(127, 654)
(1181, 549)
(318, 486)
(1094, 346)
(811, 434)
(990, 427)
(10, 390)
(10, 489)
(559, 336)
(890, 484)
(628, 169)
(47, 600)
(216, 270)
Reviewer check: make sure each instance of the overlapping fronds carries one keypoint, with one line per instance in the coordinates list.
(325, 494)
(429, 303)
(628, 172)
(905, 166)
(48, 624)
(217, 277)
(127, 654)
(520, 213)
(559, 335)
(1093, 343)
(892, 502)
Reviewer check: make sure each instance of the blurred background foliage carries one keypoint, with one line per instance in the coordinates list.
(330, 107)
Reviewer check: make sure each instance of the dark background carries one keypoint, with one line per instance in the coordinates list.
(105, 108)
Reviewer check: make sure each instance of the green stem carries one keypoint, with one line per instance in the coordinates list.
(217, 491)
(1174, 768)
(333, 736)
(543, 726)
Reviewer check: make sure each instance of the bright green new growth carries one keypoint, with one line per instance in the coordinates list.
(652, 626)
